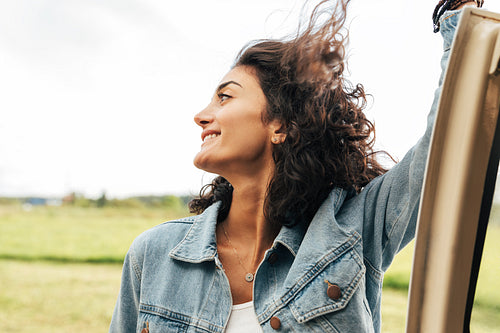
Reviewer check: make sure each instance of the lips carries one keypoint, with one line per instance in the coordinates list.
(209, 134)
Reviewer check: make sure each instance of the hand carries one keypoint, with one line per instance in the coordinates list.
(470, 3)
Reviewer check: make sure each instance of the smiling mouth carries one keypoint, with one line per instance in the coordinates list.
(210, 136)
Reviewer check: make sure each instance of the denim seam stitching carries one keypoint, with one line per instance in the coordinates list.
(178, 222)
(208, 293)
(325, 323)
(378, 274)
(135, 265)
(288, 247)
(451, 14)
(339, 199)
(394, 225)
(168, 314)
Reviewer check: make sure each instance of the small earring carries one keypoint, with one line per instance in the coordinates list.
(275, 140)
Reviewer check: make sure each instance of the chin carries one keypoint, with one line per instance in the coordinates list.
(197, 163)
(203, 163)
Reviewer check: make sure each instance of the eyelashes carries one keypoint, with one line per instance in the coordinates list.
(223, 97)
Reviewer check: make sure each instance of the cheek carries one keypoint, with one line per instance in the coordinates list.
(249, 133)
(248, 147)
(243, 121)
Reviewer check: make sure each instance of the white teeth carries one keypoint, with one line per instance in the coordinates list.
(210, 136)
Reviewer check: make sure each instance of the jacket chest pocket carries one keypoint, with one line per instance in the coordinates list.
(335, 299)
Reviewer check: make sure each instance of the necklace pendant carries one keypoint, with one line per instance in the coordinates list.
(249, 277)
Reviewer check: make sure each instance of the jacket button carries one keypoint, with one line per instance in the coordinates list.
(334, 292)
(273, 257)
(275, 323)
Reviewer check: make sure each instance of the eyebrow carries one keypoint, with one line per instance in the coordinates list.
(225, 84)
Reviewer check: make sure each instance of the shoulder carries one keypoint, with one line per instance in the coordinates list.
(162, 237)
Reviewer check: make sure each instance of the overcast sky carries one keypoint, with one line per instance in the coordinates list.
(100, 95)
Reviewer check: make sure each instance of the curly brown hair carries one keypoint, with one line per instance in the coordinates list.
(329, 140)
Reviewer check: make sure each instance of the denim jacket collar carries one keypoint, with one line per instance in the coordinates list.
(200, 244)
(292, 238)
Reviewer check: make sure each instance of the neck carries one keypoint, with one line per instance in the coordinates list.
(249, 231)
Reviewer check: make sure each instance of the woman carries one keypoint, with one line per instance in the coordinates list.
(296, 232)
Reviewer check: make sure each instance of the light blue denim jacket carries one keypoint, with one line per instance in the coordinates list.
(173, 280)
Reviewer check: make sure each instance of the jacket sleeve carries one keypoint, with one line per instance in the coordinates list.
(127, 306)
(391, 201)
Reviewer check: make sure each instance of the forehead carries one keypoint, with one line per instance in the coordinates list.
(244, 75)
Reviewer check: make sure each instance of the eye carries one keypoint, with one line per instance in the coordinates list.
(223, 97)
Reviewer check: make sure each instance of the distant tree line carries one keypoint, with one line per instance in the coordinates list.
(80, 200)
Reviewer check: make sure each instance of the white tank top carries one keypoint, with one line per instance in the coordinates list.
(243, 319)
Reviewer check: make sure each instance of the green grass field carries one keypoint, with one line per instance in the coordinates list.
(486, 310)
(60, 269)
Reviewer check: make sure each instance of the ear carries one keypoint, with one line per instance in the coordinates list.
(277, 130)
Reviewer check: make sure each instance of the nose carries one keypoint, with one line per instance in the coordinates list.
(204, 117)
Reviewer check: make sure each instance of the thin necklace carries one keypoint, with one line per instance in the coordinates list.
(248, 276)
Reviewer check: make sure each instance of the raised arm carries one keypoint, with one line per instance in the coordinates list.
(391, 201)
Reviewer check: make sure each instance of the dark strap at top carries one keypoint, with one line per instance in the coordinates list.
(445, 5)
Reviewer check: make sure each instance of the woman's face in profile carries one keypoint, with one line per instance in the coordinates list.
(235, 139)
